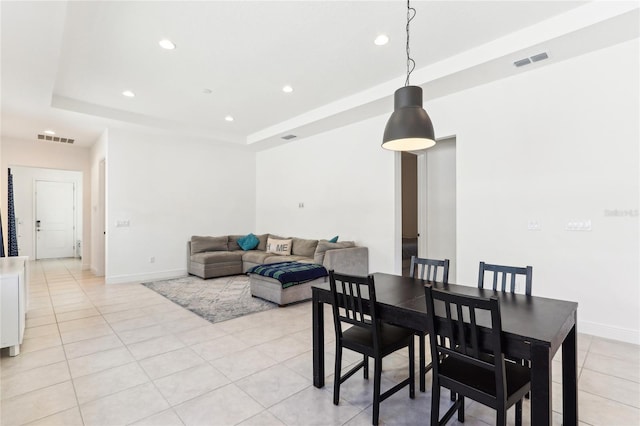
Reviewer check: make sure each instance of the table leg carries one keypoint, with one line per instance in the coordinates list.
(541, 400)
(570, 379)
(318, 340)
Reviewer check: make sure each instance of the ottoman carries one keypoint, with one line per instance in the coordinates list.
(286, 282)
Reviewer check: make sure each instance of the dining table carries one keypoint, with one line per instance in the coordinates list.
(533, 328)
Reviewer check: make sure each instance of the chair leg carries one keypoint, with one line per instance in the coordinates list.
(365, 367)
(519, 413)
(453, 396)
(461, 409)
(423, 372)
(377, 376)
(435, 403)
(501, 416)
(336, 375)
(412, 369)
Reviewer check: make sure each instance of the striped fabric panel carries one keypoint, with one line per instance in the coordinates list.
(290, 273)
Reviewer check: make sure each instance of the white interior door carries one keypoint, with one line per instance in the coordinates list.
(55, 219)
(437, 203)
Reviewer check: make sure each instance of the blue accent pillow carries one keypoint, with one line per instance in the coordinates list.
(248, 242)
(334, 239)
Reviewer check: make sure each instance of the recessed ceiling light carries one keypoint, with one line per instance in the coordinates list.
(381, 40)
(49, 132)
(128, 94)
(228, 118)
(287, 89)
(167, 44)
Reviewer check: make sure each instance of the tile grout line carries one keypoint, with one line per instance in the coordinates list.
(135, 360)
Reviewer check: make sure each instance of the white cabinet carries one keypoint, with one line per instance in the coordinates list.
(13, 302)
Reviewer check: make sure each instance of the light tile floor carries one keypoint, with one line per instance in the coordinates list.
(122, 354)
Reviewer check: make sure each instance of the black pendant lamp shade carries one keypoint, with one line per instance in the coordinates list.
(409, 128)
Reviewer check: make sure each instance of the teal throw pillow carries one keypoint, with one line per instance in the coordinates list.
(248, 242)
(334, 239)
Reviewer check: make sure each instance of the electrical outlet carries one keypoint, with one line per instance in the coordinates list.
(152, 259)
(122, 224)
(300, 205)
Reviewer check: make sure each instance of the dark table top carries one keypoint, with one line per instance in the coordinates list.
(536, 319)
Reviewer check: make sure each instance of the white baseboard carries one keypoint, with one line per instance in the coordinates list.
(609, 332)
(145, 276)
(86, 266)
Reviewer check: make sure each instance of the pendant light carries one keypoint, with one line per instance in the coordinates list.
(409, 128)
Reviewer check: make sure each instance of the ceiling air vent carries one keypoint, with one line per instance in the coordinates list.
(539, 57)
(55, 139)
(288, 137)
(535, 58)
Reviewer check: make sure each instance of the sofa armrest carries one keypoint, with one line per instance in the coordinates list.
(351, 260)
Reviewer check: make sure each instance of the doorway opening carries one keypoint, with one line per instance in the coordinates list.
(409, 209)
(48, 206)
(429, 205)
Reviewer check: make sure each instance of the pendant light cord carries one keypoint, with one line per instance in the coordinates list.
(411, 64)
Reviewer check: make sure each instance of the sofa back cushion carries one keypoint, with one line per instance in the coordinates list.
(201, 244)
(233, 242)
(279, 247)
(324, 245)
(262, 245)
(301, 247)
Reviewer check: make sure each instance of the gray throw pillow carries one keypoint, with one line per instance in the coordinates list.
(201, 244)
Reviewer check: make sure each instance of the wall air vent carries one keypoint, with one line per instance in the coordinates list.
(535, 58)
(288, 137)
(55, 139)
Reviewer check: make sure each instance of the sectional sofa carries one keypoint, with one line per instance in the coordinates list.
(210, 257)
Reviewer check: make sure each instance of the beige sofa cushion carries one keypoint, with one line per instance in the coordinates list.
(216, 257)
(302, 247)
(255, 256)
(278, 259)
(201, 244)
(233, 242)
(262, 245)
(324, 245)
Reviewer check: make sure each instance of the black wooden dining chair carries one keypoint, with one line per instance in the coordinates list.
(466, 346)
(354, 303)
(505, 275)
(504, 279)
(427, 269)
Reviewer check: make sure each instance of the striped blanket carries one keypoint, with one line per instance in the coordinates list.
(290, 273)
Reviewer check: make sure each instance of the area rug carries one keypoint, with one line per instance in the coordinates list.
(215, 299)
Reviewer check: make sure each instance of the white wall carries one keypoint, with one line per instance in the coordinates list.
(554, 145)
(24, 183)
(49, 155)
(346, 182)
(168, 190)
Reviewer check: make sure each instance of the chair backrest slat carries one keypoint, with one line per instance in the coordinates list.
(427, 269)
(504, 273)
